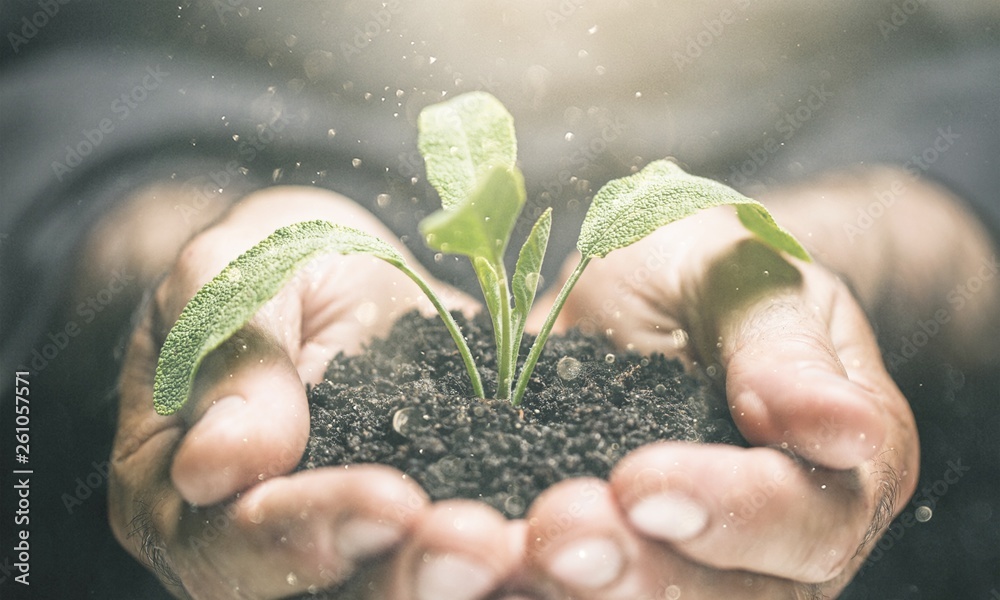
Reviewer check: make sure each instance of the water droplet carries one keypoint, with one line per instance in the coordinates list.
(672, 592)
(680, 338)
(568, 368)
(923, 514)
(366, 313)
(660, 390)
(331, 133)
(356, 162)
(592, 30)
(569, 136)
(514, 506)
(234, 274)
(243, 11)
(404, 420)
(292, 579)
(438, 257)
(609, 358)
(291, 40)
(383, 200)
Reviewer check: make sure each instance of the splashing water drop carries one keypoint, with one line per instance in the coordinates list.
(568, 368)
(403, 420)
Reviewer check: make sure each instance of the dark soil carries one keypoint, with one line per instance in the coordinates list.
(407, 403)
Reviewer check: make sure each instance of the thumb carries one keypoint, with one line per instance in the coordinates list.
(786, 380)
(786, 386)
(249, 420)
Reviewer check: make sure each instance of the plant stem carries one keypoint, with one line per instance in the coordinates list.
(453, 329)
(505, 364)
(543, 333)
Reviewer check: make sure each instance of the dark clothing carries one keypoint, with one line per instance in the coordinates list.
(100, 101)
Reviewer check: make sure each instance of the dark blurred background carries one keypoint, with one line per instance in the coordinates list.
(100, 100)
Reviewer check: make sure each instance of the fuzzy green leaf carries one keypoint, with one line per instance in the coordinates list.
(461, 140)
(756, 218)
(526, 273)
(225, 304)
(481, 223)
(628, 209)
(491, 283)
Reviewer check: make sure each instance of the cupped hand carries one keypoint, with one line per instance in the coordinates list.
(205, 497)
(835, 453)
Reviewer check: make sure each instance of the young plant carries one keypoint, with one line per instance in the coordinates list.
(470, 151)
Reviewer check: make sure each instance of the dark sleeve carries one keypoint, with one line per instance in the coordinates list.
(92, 127)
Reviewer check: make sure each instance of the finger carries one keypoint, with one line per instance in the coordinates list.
(249, 420)
(786, 383)
(750, 509)
(580, 540)
(307, 531)
(461, 550)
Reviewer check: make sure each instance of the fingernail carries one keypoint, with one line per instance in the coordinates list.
(455, 577)
(588, 563)
(361, 538)
(669, 516)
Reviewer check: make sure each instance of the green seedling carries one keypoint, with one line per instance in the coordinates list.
(470, 151)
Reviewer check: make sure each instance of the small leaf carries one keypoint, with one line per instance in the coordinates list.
(481, 223)
(628, 209)
(756, 218)
(526, 273)
(225, 304)
(491, 283)
(461, 140)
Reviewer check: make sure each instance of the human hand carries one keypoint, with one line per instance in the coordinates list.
(837, 453)
(204, 497)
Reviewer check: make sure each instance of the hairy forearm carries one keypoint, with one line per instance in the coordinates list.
(924, 269)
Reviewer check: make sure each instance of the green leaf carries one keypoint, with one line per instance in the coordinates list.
(229, 301)
(481, 223)
(226, 303)
(526, 273)
(461, 140)
(756, 218)
(628, 209)
(491, 283)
